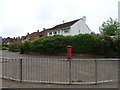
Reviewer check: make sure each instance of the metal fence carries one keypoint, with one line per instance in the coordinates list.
(60, 71)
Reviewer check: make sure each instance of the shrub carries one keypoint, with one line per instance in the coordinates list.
(5, 48)
(56, 44)
(25, 46)
(49, 45)
(14, 47)
(117, 46)
(104, 46)
(84, 43)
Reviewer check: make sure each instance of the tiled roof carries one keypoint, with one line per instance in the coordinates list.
(67, 24)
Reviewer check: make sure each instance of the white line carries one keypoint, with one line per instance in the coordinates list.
(102, 81)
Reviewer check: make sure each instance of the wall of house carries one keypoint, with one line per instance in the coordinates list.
(59, 32)
(79, 27)
(55, 32)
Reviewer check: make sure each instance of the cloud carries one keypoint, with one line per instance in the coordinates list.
(21, 16)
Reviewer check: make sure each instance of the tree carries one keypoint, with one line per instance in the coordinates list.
(110, 27)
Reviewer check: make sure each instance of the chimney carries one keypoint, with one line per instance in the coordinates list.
(37, 30)
(63, 21)
(84, 18)
(27, 33)
(43, 29)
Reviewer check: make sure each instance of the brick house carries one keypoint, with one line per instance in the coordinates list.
(33, 35)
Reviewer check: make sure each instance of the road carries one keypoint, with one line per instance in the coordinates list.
(46, 70)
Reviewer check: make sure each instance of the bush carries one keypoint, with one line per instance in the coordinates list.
(20, 46)
(49, 45)
(14, 47)
(26, 45)
(117, 46)
(104, 46)
(84, 43)
(5, 45)
(5, 48)
(56, 44)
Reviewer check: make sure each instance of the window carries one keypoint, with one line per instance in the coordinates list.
(59, 32)
(55, 32)
(40, 35)
(50, 33)
(66, 30)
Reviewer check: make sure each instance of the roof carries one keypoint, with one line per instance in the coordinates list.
(42, 32)
(68, 24)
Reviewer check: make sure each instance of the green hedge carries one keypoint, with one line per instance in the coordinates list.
(117, 46)
(107, 46)
(4, 47)
(82, 43)
(14, 47)
(49, 45)
(20, 46)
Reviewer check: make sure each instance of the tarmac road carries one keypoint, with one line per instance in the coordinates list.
(14, 84)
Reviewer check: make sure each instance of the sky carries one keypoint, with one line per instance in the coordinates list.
(18, 17)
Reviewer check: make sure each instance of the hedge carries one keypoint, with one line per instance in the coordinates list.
(82, 43)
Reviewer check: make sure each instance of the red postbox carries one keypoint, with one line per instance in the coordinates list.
(69, 52)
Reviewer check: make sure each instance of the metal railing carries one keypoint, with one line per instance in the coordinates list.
(60, 71)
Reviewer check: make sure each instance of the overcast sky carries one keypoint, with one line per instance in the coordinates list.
(18, 17)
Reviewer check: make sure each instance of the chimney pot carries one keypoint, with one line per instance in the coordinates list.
(37, 30)
(84, 18)
(43, 28)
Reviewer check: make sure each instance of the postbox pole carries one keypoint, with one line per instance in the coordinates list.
(69, 57)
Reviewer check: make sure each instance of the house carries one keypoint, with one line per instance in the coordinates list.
(23, 38)
(33, 35)
(9, 40)
(44, 32)
(70, 28)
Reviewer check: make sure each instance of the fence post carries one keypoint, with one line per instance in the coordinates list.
(20, 70)
(69, 71)
(96, 72)
(69, 58)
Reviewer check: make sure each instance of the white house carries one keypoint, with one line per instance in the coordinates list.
(70, 28)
